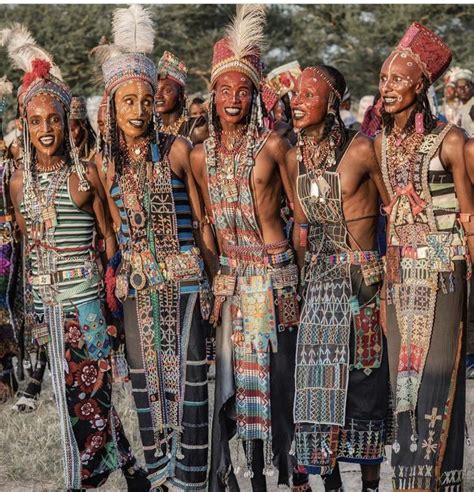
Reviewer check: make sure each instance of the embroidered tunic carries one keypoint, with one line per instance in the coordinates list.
(426, 296)
(341, 398)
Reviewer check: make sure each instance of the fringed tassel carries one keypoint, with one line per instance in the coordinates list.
(268, 470)
(249, 452)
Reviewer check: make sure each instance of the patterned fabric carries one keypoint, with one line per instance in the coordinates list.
(341, 366)
(170, 66)
(426, 311)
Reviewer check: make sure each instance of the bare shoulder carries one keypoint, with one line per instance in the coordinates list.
(469, 148)
(16, 185)
(276, 144)
(181, 144)
(362, 143)
(455, 137)
(198, 160)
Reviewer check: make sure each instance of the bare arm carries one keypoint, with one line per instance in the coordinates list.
(208, 243)
(280, 146)
(16, 195)
(452, 156)
(374, 159)
(469, 158)
(104, 223)
(300, 228)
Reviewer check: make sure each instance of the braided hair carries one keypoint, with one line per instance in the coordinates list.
(333, 117)
(422, 105)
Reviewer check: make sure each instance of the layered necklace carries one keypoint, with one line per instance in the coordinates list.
(402, 156)
(174, 128)
(316, 156)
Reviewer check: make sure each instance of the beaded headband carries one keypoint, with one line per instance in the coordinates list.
(170, 66)
(321, 74)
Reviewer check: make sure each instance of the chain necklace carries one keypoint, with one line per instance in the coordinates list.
(174, 128)
(53, 167)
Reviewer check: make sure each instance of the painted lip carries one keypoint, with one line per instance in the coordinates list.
(232, 111)
(137, 123)
(46, 141)
(298, 114)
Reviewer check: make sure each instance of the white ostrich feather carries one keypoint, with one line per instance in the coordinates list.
(104, 52)
(246, 30)
(6, 87)
(133, 30)
(23, 57)
(15, 36)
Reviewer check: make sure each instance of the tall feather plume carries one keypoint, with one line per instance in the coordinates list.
(22, 49)
(133, 30)
(245, 32)
(15, 36)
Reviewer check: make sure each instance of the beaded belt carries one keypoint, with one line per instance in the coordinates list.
(269, 259)
(56, 277)
(422, 251)
(351, 257)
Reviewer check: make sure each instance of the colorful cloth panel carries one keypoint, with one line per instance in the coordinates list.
(94, 329)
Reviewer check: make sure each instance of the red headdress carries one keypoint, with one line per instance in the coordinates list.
(427, 50)
(240, 50)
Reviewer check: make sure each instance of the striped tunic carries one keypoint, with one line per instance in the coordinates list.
(75, 229)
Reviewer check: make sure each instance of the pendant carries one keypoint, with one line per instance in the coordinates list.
(396, 447)
(137, 277)
(49, 217)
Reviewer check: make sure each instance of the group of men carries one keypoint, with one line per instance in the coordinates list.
(325, 351)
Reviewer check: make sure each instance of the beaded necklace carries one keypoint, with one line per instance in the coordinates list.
(174, 128)
(316, 156)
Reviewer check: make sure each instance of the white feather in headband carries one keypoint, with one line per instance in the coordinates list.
(6, 87)
(245, 33)
(22, 49)
(133, 30)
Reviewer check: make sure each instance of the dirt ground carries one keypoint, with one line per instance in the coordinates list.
(30, 454)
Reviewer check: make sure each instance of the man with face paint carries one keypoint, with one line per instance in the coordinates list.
(429, 237)
(156, 211)
(341, 405)
(170, 101)
(60, 207)
(240, 171)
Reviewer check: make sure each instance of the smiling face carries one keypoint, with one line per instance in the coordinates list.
(233, 97)
(134, 108)
(168, 95)
(310, 103)
(45, 116)
(400, 82)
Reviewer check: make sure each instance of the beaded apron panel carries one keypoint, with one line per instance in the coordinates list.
(413, 282)
(322, 356)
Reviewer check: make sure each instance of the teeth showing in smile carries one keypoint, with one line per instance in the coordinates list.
(297, 114)
(232, 111)
(46, 140)
(390, 100)
(160, 102)
(136, 123)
